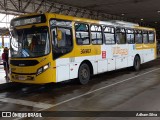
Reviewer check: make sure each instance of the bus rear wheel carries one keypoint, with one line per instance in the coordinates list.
(84, 74)
(137, 63)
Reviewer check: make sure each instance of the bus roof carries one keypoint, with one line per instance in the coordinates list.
(114, 23)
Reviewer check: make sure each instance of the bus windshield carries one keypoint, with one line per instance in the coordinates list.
(31, 42)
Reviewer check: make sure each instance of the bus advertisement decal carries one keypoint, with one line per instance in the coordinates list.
(120, 51)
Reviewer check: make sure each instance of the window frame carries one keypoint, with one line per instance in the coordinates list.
(154, 33)
(130, 33)
(147, 36)
(121, 32)
(96, 31)
(138, 33)
(71, 29)
(58, 26)
(104, 41)
(89, 35)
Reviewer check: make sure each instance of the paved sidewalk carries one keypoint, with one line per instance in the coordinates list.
(2, 75)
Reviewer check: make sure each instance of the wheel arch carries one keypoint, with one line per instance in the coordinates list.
(136, 62)
(139, 58)
(89, 64)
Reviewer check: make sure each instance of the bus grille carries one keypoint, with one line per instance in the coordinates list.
(24, 62)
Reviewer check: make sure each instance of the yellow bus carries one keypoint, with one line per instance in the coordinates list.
(51, 47)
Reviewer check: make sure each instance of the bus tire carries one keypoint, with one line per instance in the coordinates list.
(84, 74)
(137, 63)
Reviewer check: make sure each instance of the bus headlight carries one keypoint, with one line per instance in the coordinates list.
(46, 67)
(39, 71)
(43, 68)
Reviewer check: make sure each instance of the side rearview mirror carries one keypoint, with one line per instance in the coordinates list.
(59, 35)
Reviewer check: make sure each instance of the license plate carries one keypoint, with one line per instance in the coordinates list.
(20, 77)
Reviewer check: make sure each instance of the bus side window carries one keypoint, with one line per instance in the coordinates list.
(63, 45)
(145, 37)
(66, 40)
(82, 34)
(151, 36)
(96, 34)
(120, 35)
(138, 37)
(130, 36)
(109, 35)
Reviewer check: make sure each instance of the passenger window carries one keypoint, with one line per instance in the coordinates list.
(130, 36)
(145, 37)
(66, 40)
(82, 34)
(63, 45)
(138, 36)
(109, 35)
(96, 34)
(120, 36)
(62, 42)
(151, 37)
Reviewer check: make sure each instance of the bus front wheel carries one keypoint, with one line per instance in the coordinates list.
(137, 63)
(84, 74)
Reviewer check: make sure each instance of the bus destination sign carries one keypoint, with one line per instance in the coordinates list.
(26, 21)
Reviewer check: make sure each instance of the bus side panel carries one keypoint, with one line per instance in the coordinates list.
(62, 69)
(101, 60)
(102, 66)
(121, 56)
(91, 59)
(146, 52)
(133, 51)
(74, 70)
(131, 54)
(106, 60)
(117, 56)
(110, 57)
(67, 68)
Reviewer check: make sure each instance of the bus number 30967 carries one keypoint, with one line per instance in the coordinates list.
(84, 51)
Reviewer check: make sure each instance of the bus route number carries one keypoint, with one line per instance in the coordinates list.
(85, 51)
